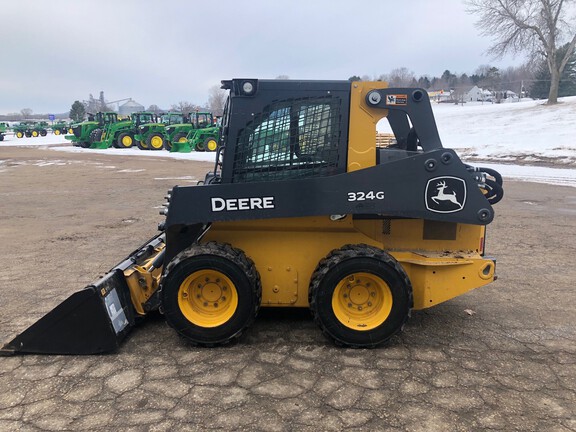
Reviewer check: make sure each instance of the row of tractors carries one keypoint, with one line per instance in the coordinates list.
(172, 131)
(33, 129)
(30, 129)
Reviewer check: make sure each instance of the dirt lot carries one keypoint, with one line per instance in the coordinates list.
(500, 358)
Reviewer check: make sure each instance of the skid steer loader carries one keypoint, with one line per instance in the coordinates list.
(301, 210)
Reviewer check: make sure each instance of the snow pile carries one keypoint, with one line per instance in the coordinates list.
(526, 131)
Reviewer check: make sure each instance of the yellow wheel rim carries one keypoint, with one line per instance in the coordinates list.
(127, 141)
(34, 133)
(207, 298)
(70, 131)
(182, 140)
(19, 134)
(56, 132)
(362, 301)
(156, 142)
(211, 145)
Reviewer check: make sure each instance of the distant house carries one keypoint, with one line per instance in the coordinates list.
(477, 94)
(129, 108)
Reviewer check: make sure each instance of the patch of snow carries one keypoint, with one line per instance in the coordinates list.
(535, 174)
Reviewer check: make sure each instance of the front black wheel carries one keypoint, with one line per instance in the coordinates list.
(155, 141)
(199, 147)
(211, 293)
(360, 296)
(95, 136)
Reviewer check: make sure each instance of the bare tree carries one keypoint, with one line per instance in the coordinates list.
(216, 100)
(154, 109)
(399, 77)
(185, 107)
(26, 113)
(536, 26)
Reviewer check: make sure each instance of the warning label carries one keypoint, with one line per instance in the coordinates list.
(397, 100)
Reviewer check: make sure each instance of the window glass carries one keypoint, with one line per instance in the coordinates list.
(290, 139)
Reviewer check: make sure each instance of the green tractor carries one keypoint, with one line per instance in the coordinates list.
(122, 134)
(59, 128)
(198, 134)
(82, 135)
(3, 129)
(39, 129)
(151, 136)
(205, 139)
(23, 129)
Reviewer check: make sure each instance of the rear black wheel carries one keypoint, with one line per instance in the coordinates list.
(43, 132)
(155, 141)
(124, 140)
(211, 293)
(167, 144)
(28, 134)
(360, 296)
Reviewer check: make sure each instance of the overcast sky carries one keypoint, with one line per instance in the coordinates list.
(165, 51)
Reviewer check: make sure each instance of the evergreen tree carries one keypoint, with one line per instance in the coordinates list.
(567, 86)
(77, 112)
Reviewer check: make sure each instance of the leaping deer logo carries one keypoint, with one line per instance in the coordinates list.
(443, 196)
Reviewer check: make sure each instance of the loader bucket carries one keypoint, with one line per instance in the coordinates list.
(91, 321)
(181, 147)
(94, 320)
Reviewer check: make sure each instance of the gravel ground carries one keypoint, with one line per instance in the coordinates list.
(502, 357)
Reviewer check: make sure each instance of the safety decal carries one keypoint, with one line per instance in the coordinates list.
(396, 99)
(115, 311)
(445, 194)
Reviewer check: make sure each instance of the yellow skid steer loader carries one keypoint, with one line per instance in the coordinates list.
(303, 209)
